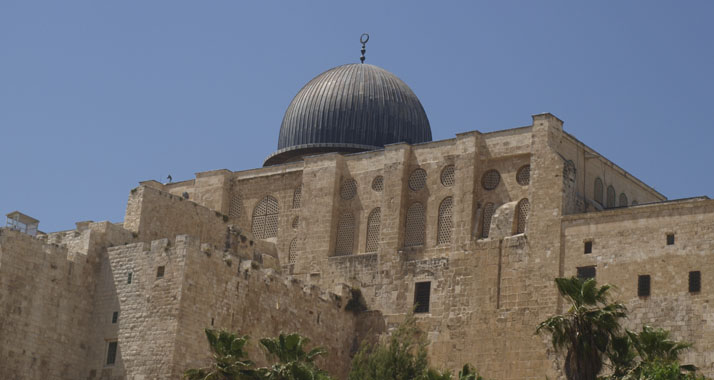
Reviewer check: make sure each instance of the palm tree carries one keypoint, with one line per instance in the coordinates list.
(586, 329)
(294, 363)
(230, 361)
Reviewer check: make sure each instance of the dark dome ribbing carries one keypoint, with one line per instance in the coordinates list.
(350, 108)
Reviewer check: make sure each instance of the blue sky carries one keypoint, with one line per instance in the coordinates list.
(97, 96)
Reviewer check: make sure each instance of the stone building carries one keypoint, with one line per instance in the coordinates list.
(468, 232)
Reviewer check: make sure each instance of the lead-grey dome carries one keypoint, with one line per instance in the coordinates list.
(350, 108)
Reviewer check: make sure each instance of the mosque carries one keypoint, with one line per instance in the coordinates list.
(358, 204)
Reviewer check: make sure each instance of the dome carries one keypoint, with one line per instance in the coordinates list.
(350, 108)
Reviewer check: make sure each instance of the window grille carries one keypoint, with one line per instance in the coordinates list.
(348, 190)
(414, 226)
(446, 221)
(297, 196)
(598, 191)
(345, 235)
(111, 352)
(422, 296)
(523, 176)
(265, 218)
(447, 176)
(292, 251)
(129, 277)
(115, 317)
(586, 272)
(236, 208)
(643, 285)
(610, 197)
(378, 183)
(491, 179)
(488, 211)
(522, 210)
(588, 247)
(623, 200)
(695, 281)
(373, 223)
(295, 223)
(160, 271)
(670, 239)
(417, 180)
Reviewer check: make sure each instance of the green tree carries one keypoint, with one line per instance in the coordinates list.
(294, 362)
(230, 361)
(585, 330)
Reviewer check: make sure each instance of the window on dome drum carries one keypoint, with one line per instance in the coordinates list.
(695, 281)
(523, 176)
(115, 317)
(236, 207)
(160, 271)
(111, 352)
(490, 179)
(597, 191)
(378, 183)
(422, 296)
(586, 272)
(670, 239)
(292, 251)
(643, 285)
(447, 176)
(414, 226)
(588, 247)
(297, 195)
(610, 197)
(344, 242)
(522, 210)
(445, 223)
(348, 190)
(623, 200)
(265, 218)
(488, 211)
(373, 222)
(417, 180)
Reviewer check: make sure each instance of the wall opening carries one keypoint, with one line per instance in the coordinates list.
(670, 239)
(111, 352)
(446, 221)
(160, 271)
(414, 225)
(422, 296)
(588, 247)
(695, 281)
(586, 272)
(115, 317)
(643, 285)
(373, 223)
(344, 241)
(265, 218)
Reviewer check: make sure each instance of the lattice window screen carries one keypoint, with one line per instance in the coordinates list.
(344, 242)
(348, 190)
(297, 196)
(623, 200)
(523, 176)
(373, 223)
(296, 222)
(446, 221)
(490, 179)
(488, 211)
(447, 176)
(597, 190)
(292, 252)
(265, 218)
(378, 183)
(414, 226)
(522, 209)
(611, 197)
(236, 209)
(417, 180)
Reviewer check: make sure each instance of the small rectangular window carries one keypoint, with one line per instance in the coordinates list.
(670, 239)
(115, 317)
(695, 281)
(111, 352)
(422, 294)
(128, 277)
(586, 272)
(588, 247)
(643, 285)
(160, 272)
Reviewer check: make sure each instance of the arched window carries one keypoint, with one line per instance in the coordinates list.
(414, 226)
(292, 252)
(446, 221)
(265, 218)
(610, 197)
(344, 242)
(623, 200)
(488, 211)
(297, 195)
(597, 191)
(373, 221)
(522, 210)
